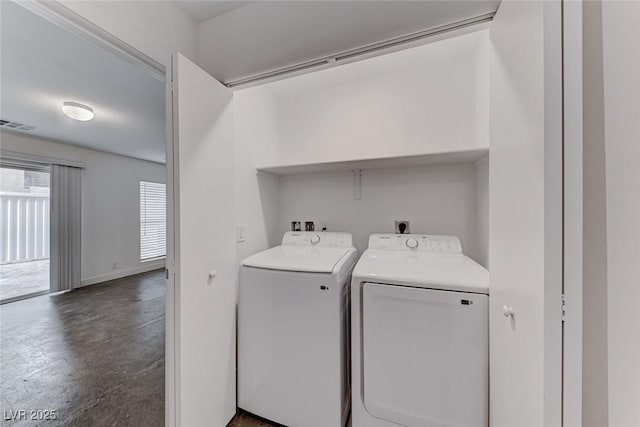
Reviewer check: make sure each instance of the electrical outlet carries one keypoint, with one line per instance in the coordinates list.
(402, 227)
(114, 266)
(241, 233)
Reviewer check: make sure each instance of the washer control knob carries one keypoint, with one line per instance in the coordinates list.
(412, 243)
(315, 239)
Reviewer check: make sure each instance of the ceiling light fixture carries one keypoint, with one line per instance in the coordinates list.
(77, 111)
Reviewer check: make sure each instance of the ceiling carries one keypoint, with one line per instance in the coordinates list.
(200, 11)
(46, 65)
(264, 36)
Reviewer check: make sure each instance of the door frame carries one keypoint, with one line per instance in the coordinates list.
(18, 161)
(573, 212)
(60, 15)
(43, 164)
(171, 354)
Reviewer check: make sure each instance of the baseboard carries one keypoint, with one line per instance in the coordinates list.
(155, 265)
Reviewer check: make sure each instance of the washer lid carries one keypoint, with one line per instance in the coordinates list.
(455, 272)
(298, 258)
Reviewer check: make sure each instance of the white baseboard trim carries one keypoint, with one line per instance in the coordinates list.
(156, 265)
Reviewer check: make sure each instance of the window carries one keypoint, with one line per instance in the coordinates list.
(153, 220)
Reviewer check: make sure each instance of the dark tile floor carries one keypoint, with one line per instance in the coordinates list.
(95, 355)
(242, 419)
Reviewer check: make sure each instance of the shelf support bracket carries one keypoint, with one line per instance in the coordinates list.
(357, 184)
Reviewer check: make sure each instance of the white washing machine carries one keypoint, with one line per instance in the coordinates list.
(420, 334)
(293, 330)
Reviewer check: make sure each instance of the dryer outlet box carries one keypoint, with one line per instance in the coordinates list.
(402, 227)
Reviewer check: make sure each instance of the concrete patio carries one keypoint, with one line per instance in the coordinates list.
(23, 278)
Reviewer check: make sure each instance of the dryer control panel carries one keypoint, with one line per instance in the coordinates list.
(416, 242)
(314, 238)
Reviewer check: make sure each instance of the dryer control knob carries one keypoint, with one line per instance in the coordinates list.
(315, 239)
(412, 243)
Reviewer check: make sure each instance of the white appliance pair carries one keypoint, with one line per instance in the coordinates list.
(419, 332)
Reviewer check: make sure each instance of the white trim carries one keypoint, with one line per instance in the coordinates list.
(573, 213)
(26, 296)
(122, 273)
(13, 155)
(553, 213)
(172, 370)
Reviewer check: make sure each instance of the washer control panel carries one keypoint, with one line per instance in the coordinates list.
(317, 238)
(416, 242)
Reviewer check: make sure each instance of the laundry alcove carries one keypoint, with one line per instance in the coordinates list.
(405, 135)
(402, 136)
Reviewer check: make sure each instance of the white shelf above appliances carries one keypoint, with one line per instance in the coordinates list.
(470, 155)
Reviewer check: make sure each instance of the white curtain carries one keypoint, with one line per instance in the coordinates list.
(65, 227)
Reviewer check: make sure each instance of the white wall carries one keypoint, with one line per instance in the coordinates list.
(256, 137)
(429, 98)
(344, 113)
(621, 61)
(483, 90)
(156, 28)
(110, 205)
(436, 200)
(482, 219)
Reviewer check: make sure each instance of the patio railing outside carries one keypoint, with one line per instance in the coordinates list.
(24, 227)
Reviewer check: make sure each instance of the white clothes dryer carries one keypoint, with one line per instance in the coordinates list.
(420, 334)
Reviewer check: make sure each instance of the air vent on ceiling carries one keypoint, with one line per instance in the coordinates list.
(15, 125)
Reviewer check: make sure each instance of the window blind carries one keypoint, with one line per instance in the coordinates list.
(153, 220)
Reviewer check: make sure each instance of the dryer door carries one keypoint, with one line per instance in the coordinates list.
(425, 356)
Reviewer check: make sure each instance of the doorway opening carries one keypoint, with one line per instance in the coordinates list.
(25, 194)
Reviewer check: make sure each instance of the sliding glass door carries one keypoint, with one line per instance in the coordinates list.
(25, 193)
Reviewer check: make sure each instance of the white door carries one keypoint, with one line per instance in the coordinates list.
(201, 377)
(526, 214)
